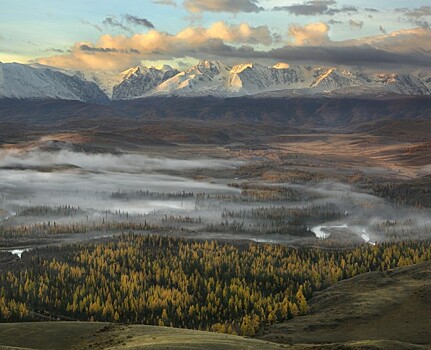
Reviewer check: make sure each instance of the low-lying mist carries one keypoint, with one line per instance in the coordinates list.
(68, 187)
(125, 162)
(87, 180)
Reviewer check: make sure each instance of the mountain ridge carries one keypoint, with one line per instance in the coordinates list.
(207, 78)
(21, 81)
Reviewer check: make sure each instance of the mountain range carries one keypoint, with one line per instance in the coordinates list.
(207, 78)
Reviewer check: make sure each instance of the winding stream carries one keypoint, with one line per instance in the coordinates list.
(320, 233)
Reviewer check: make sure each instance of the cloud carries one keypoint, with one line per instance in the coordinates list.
(53, 49)
(407, 48)
(401, 41)
(344, 9)
(95, 26)
(316, 7)
(364, 56)
(418, 16)
(309, 8)
(138, 21)
(308, 44)
(417, 13)
(112, 21)
(356, 24)
(121, 52)
(311, 34)
(198, 6)
(165, 2)
(88, 48)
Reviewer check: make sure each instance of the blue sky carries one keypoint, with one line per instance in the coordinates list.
(36, 29)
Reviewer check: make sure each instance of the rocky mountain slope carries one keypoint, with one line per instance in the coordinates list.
(218, 79)
(140, 80)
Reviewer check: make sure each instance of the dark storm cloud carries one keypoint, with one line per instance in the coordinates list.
(137, 21)
(358, 56)
(355, 56)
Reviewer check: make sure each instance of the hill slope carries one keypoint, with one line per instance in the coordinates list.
(97, 336)
(391, 307)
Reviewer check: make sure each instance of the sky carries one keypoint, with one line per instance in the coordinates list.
(118, 34)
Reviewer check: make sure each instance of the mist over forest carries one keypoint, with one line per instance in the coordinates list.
(64, 186)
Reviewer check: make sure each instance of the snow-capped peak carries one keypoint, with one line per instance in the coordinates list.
(281, 65)
(128, 72)
(205, 78)
(22, 81)
(139, 80)
(165, 68)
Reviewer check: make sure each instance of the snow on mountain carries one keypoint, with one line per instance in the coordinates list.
(206, 78)
(140, 80)
(425, 77)
(26, 82)
(106, 80)
(405, 84)
(252, 78)
(281, 65)
(217, 79)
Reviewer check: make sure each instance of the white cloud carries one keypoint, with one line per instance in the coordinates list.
(121, 52)
(310, 43)
(310, 34)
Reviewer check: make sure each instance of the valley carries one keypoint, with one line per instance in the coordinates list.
(215, 175)
(197, 187)
(66, 192)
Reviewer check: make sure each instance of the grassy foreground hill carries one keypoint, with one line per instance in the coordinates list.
(97, 336)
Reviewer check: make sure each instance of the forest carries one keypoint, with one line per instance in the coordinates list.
(223, 287)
